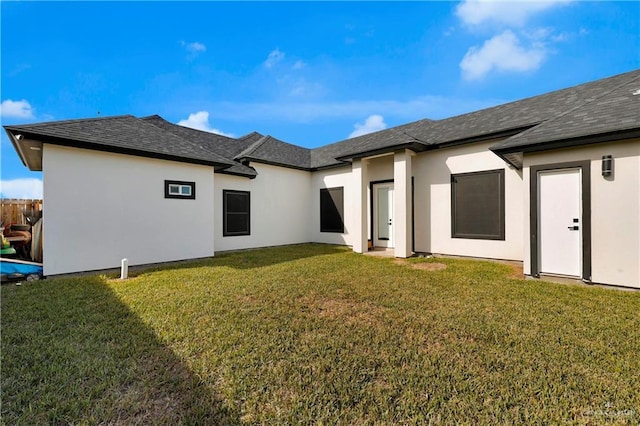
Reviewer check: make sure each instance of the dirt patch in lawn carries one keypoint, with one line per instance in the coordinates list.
(517, 270)
(425, 266)
(349, 311)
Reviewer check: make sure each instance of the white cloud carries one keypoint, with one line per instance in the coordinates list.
(434, 107)
(373, 123)
(200, 121)
(275, 56)
(299, 65)
(18, 69)
(295, 84)
(476, 12)
(302, 88)
(503, 53)
(567, 35)
(541, 34)
(16, 109)
(25, 188)
(195, 47)
(557, 38)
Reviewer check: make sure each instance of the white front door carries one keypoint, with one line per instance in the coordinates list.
(383, 215)
(560, 222)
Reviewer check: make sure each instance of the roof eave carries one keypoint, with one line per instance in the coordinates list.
(32, 162)
(330, 166)
(118, 150)
(414, 146)
(515, 159)
(488, 136)
(272, 163)
(508, 153)
(226, 171)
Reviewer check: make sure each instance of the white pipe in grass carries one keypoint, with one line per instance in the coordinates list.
(124, 269)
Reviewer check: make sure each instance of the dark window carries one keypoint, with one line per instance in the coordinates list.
(179, 189)
(477, 205)
(332, 210)
(235, 212)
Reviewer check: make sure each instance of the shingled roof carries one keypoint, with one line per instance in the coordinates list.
(513, 116)
(123, 134)
(370, 144)
(586, 113)
(221, 145)
(597, 103)
(250, 138)
(614, 115)
(270, 150)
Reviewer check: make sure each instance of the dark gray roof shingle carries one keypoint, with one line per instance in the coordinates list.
(221, 145)
(270, 150)
(502, 120)
(250, 138)
(328, 155)
(598, 107)
(616, 111)
(514, 115)
(126, 134)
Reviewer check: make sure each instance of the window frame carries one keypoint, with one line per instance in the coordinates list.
(340, 210)
(225, 213)
(180, 184)
(455, 233)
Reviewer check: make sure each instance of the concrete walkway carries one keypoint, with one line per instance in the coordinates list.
(381, 252)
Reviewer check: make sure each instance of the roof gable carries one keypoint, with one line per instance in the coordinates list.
(270, 150)
(123, 134)
(616, 112)
(221, 145)
(371, 143)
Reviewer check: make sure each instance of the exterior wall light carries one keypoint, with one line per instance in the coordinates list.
(607, 165)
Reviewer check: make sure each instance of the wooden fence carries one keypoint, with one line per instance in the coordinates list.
(12, 209)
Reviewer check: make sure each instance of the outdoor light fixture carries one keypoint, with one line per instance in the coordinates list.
(607, 165)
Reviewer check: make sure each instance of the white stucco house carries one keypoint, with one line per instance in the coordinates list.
(552, 181)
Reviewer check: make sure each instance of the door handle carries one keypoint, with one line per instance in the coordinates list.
(573, 228)
(389, 221)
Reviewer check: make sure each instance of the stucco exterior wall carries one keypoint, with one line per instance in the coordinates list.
(102, 207)
(380, 168)
(279, 211)
(432, 172)
(615, 209)
(332, 178)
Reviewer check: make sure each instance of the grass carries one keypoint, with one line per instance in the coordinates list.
(317, 334)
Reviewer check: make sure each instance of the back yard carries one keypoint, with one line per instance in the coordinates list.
(317, 334)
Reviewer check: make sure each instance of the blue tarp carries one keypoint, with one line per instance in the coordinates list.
(8, 266)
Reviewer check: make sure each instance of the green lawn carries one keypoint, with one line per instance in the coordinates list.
(317, 334)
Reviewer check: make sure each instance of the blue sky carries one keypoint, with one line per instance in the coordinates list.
(306, 73)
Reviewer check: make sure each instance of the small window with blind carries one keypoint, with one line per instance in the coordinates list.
(179, 189)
